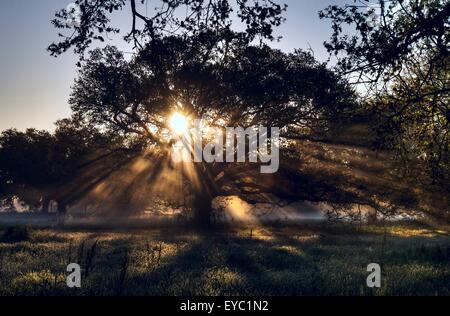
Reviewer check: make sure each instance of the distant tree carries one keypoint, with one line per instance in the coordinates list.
(25, 166)
(35, 165)
(400, 53)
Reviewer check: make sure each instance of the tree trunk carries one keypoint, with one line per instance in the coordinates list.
(62, 208)
(203, 194)
(45, 206)
(372, 216)
(202, 209)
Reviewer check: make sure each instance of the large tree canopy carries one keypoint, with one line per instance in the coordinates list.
(195, 57)
(252, 85)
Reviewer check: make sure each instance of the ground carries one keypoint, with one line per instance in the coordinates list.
(308, 259)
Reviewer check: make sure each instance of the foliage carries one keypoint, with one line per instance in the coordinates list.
(189, 56)
(25, 163)
(246, 86)
(417, 126)
(250, 85)
(182, 17)
(33, 164)
(400, 53)
(387, 35)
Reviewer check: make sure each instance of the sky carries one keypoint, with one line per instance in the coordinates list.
(35, 87)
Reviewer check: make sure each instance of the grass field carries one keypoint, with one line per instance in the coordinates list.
(302, 260)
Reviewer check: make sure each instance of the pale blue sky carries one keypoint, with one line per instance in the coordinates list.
(34, 87)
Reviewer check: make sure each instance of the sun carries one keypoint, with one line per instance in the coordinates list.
(179, 124)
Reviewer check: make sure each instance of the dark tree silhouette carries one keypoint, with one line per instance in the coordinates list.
(36, 165)
(182, 17)
(25, 166)
(388, 35)
(253, 85)
(190, 57)
(257, 85)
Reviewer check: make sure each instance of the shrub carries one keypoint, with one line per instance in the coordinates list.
(15, 234)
